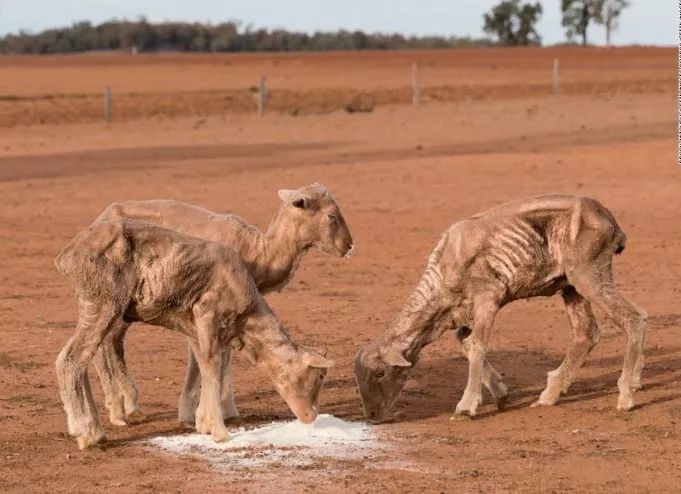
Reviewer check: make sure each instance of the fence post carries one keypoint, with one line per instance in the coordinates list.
(416, 91)
(107, 104)
(556, 76)
(262, 96)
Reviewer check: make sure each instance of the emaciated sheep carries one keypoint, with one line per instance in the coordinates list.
(531, 247)
(309, 217)
(125, 271)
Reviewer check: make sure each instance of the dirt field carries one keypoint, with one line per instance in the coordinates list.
(402, 176)
(49, 90)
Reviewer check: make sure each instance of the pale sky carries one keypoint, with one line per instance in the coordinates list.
(649, 22)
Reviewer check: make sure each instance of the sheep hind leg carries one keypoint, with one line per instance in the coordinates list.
(229, 409)
(585, 335)
(127, 383)
(189, 398)
(600, 288)
(638, 367)
(71, 366)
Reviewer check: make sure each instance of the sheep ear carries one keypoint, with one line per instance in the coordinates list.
(316, 360)
(322, 188)
(295, 198)
(286, 194)
(396, 359)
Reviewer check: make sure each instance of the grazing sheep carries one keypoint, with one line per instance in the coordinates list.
(309, 217)
(125, 271)
(531, 247)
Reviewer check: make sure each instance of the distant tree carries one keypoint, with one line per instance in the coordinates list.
(514, 23)
(145, 38)
(577, 14)
(607, 14)
(225, 36)
(360, 41)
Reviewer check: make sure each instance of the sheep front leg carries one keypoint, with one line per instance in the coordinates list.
(76, 394)
(472, 396)
(474, 343)
(490, 377)
(208, 352)
(209, 418)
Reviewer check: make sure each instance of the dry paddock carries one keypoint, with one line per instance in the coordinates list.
(401, 176)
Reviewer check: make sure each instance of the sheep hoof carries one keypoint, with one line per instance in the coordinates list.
(547, 398)
(625, 404)
(220, 436)
(187, 419)
(203, 425)
(460, 417)
(501, 402)
(541, 403)
(87, 440)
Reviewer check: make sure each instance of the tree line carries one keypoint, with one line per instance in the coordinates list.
(514, 23)
(230, 36)
(511, 22)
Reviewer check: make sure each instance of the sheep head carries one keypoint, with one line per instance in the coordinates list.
(317, 220)
(380, 374)
(300, 382)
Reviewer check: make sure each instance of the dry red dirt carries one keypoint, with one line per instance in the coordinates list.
(402, 176)
(68, 88)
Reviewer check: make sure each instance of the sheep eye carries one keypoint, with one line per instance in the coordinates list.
(380, 374)
(332, 217)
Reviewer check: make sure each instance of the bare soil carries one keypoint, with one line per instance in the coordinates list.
(70, 88)
(402, 176)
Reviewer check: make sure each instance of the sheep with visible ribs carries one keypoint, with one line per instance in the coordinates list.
(531, 247)
(308, 217)
(125, 271)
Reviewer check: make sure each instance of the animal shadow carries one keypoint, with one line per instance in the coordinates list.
(435, 386)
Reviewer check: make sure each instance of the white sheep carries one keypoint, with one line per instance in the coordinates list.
(125, 271)
(531, 247)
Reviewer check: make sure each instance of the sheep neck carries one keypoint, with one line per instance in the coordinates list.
(268, 345)
(420, 322)
(278, 253)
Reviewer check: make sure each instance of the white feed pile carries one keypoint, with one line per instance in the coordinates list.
(292, 443)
